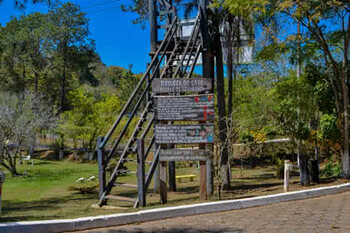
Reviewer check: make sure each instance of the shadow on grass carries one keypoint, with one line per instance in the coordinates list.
(44, 162)
(327, 180)
(13, 210)
(254, 186)
(188, 189)
(259, 177)
(192, 229)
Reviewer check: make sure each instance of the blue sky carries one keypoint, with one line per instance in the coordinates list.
(118, 41)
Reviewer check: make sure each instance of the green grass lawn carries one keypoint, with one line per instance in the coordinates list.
(44, 193)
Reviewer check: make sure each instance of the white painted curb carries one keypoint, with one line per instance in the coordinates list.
(49, 226)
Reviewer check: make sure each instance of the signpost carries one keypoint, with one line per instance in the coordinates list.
(190, 107)
(183, 155)
(176, 85)
(2, 180)
(184, 134)
(198, 107)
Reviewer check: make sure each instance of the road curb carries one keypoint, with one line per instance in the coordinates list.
(51, 226)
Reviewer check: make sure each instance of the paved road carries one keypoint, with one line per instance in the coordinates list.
(324, 214)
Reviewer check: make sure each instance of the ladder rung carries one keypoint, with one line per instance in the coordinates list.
(120, 198)
(134, 160)
(126, 172)
(130, 160)
(125, 185)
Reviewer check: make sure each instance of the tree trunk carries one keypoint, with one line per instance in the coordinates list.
(36, 81)
(304, 170)
(63, 80)
(345, 92)
(220, 88)
(345, 150)
(229, 71)
(303, 164)
(230, 84)
(63, 90)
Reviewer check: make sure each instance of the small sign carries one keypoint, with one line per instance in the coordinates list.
(193, 107)
(176, 85)
(183, 155)
(182, 134)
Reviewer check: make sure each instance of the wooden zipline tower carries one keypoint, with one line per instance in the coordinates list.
(167, 93)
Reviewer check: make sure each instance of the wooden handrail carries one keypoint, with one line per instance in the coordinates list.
(132, 96)
(194, 60)
(192, 48)
(187, 46)
(138, 103)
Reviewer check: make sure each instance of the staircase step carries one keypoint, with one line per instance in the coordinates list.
(120, 198)
(126, 172)
(129, 160)
(134, 160)
(125, 185)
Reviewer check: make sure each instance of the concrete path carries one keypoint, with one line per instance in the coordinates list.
(323, 214)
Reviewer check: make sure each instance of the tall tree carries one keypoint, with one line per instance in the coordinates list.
(69, 31)
(328, 23)
(316, 17)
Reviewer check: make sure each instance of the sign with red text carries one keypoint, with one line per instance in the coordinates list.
(190, 107)
(183, 134)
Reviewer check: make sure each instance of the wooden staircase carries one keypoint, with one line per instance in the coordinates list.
(175, 57)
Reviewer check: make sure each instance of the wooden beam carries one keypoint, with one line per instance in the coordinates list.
(141, 172)
(203, 180)
(163, 183)
(101, 170)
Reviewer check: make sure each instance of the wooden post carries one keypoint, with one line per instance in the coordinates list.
(141, 172)
(157, 179)
(172, 177)
(152, 8)
(153, 24)
(172, 172)
(205, 40)
(286, 175)
(148, 81)
(203, 180)
(206, 178)
(163, 183)
(210, 189)
(101, 168)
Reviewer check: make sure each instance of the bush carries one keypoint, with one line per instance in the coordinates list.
(84, 188)
(332, 169)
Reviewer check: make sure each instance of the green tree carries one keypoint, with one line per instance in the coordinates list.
(316, 16)
(91, 115)
(296, 108)
(70, 44)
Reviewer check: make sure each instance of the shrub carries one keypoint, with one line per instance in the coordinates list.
(332, 169)
(84, 188)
